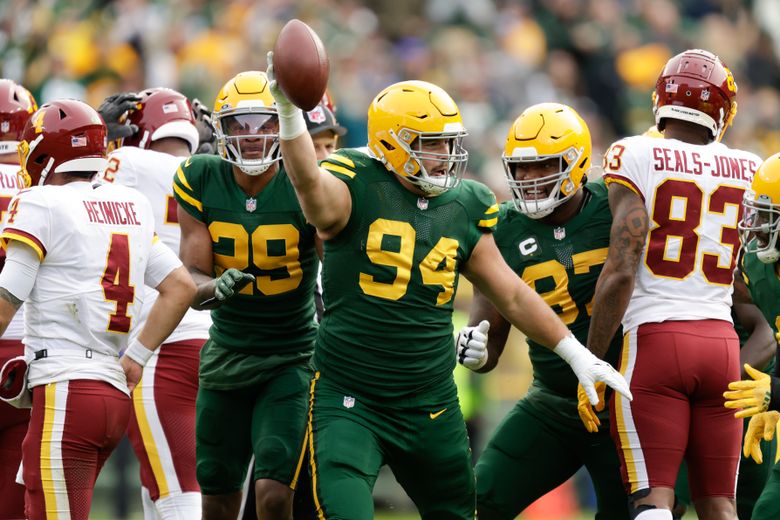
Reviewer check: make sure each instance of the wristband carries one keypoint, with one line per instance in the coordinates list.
(774, 400)
(138, 353)
(291, 123)
(569, 347)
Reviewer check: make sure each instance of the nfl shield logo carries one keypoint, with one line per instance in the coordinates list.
(349, 401)
(705, 95)
(422, 203)
(559, 233)
(251, 204)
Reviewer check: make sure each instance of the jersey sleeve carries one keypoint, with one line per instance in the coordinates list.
(121, 169)
(162, 261)
(28, 221)
(623, 165)
(340, 165)
(187, 187)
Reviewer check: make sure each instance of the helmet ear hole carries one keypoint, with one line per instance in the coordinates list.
(387, 145)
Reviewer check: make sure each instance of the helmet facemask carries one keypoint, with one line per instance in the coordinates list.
(559, 186)
(248, 137)
(759, 227)
(421, 146)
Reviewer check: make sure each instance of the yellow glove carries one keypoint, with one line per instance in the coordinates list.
(751, 396)
(585, 409)
(762, 426)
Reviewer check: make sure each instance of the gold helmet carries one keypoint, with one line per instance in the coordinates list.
(406, 115)
(543, 132)
(761, 220)
(246, 123)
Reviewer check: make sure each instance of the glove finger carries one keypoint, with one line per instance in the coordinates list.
(601, 388)
(477, 336)
(483, 327)
(269, 71)
(755, 452)
(747, 412)
(619, 385)
(742, 385)
(752, 372)
(593, 396)
(474, 354)
(769, 431)
(739, 403)
(737, 394)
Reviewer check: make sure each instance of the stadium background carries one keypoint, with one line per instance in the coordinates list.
(494, 57)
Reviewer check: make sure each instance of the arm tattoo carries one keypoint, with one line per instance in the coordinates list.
(10, 298)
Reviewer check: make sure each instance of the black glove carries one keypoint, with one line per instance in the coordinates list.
(113, 108)
(207, 139)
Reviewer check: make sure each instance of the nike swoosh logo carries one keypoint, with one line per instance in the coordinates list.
(434, 415)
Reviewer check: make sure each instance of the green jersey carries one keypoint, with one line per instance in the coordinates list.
(764, 285)
(389, 281)
(265, 235)
(562, 264)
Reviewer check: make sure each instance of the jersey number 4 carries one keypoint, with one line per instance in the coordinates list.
(116, 282)
(437, 268)
(677, 213)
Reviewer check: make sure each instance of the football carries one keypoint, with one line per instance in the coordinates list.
(300, 64)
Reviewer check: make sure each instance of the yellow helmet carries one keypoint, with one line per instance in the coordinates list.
(402, 118)
(246, 123)
(543, 132)
(761, 220)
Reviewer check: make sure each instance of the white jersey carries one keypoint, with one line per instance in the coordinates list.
(97, 249)
(151, 173)
(693, 195)
(9, 187)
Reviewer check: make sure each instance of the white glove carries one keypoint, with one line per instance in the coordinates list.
(291, 122)
(589, 369)
(471, 346)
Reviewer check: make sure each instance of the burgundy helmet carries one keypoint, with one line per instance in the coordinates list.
(696, 86)
(162, 112)
(16, 107)
(62, 136)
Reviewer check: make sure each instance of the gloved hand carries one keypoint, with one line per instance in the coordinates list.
(589, 369)
(586, 410)
(230, 282)
(113, 108)
(752, 396)
(471, 345)
(207, 139)
(762, 426)
(291, 122)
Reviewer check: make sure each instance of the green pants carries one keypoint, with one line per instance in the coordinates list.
(532, 453)
(353, 436)
(267, 420)
(751, 484)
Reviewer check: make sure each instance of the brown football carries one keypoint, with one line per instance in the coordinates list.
(300, 64)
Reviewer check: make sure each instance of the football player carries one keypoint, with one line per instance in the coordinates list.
(162, 421)
(16, 107)
(668, 276)
(757, 396)
(554, 234)
(399, 224)
(78, 255)
(250, 249)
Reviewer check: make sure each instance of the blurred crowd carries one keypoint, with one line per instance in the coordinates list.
(494, 57)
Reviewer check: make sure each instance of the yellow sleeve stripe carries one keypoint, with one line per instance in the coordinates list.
(339, 169)
(492, 209)
(488, 223)
(25, 239)
(187, 198)
(182, 178)
(609, 179)
(340, 158)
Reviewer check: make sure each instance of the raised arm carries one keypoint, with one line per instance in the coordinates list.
(616, 282)
(325, 200)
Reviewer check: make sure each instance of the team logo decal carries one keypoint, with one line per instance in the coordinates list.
(349, 401)
(251, 204)
(559, 233)
(705, 95)
(422, 203)
(5, 126)
(317, 115)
